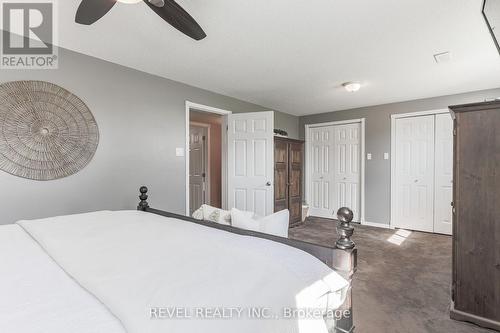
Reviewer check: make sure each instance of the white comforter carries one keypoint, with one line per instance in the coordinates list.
(134, 261)
(37, 296)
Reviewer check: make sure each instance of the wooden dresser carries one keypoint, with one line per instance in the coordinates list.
(476, 214)
(288, 170)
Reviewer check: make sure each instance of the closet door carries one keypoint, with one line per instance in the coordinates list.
(347, 168)
(443, 174)
(321, 155)
(414, 173)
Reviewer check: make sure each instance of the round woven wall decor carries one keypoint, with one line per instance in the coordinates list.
(46, 132)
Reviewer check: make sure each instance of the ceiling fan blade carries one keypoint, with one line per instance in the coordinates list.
(177, 17)
(90, 11)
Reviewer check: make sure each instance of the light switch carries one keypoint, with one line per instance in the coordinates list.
(386, 156)
(179, 152)
(368, 156)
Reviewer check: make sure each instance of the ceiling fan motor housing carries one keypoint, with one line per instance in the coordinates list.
(157, 3)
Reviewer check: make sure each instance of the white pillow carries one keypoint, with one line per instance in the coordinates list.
(198, 214)
(217, 215)
(242, 220)
(276, 224)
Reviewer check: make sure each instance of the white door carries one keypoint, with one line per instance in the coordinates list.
(347, 175)
(251, 162)
(414, 173)
(334, 169)
(321, 172)
(443, 174)
(197, 167)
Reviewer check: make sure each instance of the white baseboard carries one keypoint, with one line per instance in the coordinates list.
(378, 225)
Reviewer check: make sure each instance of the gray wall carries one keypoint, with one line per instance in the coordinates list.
(141, 120)
(288, 123)
(378, 142)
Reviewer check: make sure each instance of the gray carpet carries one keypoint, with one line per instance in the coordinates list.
(398, 288)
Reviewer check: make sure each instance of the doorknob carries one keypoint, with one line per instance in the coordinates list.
(268, 184)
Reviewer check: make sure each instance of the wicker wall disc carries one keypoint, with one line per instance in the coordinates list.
(46, 132)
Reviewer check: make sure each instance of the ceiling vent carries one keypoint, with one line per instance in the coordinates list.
(442, 57)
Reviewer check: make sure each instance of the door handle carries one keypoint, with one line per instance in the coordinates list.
(268, 184)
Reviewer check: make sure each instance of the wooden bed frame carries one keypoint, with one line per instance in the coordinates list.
(341, 257)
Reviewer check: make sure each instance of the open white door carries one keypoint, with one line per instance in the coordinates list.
(250, 159)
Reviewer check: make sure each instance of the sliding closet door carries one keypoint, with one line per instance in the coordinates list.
(443, 174)
(414, 173)
(347, 175)
(321, 171)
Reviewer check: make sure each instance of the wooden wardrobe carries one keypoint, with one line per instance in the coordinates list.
(476, 214)
(288, 170)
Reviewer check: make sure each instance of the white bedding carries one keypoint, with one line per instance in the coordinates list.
(37, 296)
(132, 261)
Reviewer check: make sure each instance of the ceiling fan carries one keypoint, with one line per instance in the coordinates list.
(91, 11)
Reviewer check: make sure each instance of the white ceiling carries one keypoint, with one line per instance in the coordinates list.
(293, 55)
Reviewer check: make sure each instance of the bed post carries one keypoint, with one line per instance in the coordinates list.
(345, 263)
(143, 204)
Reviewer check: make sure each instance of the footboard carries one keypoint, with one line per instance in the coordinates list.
(341, 256)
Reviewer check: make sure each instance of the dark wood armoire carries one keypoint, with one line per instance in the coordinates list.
(288, 170)
(476, 214)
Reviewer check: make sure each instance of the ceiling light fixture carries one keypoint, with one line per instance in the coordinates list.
(352, 86)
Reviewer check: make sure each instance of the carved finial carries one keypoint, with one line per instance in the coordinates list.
(143, 205)
(344, 229)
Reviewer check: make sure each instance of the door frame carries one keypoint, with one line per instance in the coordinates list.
(209, 109)
(208, 127)
(394, 117)
(308, 159)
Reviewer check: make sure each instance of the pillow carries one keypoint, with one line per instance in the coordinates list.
(240, 219)
(217, 215)
(198, 214)
(276, 224)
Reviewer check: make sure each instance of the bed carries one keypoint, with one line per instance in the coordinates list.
(150, 271)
